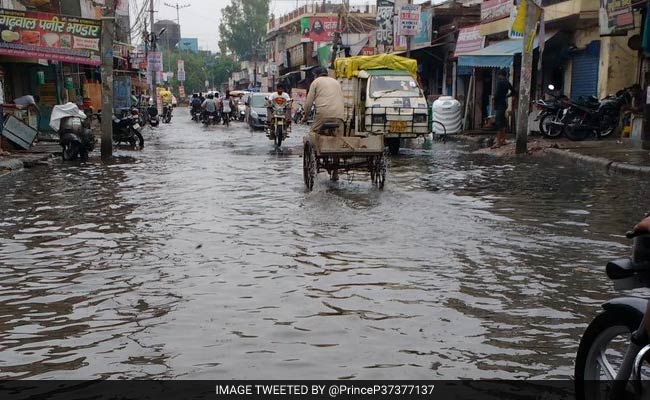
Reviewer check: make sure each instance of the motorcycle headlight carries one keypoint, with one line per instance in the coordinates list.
(254, 114)
(420, 118)
(379, 118)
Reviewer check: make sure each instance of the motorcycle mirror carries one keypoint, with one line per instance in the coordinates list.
(551, 87)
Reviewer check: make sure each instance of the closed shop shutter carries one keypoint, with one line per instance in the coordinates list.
(584, 72)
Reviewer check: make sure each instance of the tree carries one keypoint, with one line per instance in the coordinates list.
(200, 67)
(243, 28)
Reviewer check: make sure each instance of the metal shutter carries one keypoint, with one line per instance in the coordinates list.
(584, 72)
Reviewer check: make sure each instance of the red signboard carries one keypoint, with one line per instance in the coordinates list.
(50, 36)
(469, 40)
(492, 10)
(319, 29)
(368, 51)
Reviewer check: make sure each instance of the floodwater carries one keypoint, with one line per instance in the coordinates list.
(202, 257)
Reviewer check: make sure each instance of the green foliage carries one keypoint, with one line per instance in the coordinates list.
(199, 67)
(243, 28)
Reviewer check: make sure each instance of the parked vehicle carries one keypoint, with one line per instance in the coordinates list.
(615, 347)
(593, 117)
(551, 113)
(299, 114)
(73, 126)
(154, 119)
(126, 129)
(277, 130)
(383, 97)
(166, 113)
(256, 110)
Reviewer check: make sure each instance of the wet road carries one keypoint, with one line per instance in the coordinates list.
(203, 257)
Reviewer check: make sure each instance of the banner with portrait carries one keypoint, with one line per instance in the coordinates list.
(615, 17)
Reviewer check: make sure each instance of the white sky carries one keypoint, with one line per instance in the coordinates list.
(201, 19)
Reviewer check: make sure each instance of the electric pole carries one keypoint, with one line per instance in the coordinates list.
(178, 17)
(108, 34)
(525, 77)
(154, 75)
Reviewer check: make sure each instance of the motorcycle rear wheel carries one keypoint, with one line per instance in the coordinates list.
(605, 341)
(70, 151)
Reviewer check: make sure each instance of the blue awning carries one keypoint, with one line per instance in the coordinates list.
(497, 55)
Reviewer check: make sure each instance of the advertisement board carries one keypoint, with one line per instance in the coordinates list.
(319, 29)
(53, 37)
(154, 61)
(384, 19)
(409, 18)
(423, 37)
(492, 10)
(615, 17)
(469, 40)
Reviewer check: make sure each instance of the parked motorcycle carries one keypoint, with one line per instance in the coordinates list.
(167, 113)
(75, 135)
(277, 130)
(593, 117)
(154, 119)
(126, 129)
(615, 347)
(550, 114)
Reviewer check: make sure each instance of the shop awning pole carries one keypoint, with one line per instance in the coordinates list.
(108, 32)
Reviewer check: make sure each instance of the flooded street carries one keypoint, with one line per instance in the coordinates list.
(202, 257)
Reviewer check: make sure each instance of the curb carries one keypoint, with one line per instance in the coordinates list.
(608, 165)
(18, 163)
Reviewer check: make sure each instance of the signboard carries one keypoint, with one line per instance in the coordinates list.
(368, 51)
(181, 91)
(121, 92)
(492, 10)
(409, 18)
(318, 29)
(137, 59)
(384, 32)
(154, 61)
(469, 40)
(615, 17)
(53, 37)
(181, 70)
(423, 37)
(121, 7)
(399, 40)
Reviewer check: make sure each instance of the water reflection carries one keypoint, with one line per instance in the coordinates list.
(203, 257)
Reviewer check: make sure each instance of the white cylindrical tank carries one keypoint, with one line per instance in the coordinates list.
(446, 110)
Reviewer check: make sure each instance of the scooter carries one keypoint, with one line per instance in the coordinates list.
(615, 347)
(126, 129)
(299, 114)
(241, 109)
(75, 135)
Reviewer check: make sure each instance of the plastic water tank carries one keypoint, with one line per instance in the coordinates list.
(446, 110)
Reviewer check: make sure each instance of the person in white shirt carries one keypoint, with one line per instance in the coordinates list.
(26, 101)
(269, 105)
(209, 106)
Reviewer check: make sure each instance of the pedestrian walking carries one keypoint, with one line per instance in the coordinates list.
(503, 91)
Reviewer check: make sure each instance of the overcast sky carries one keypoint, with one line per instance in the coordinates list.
(201, 19)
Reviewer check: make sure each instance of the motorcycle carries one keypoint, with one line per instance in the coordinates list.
(299, 114)
(126, 129)
(196, 114)
(550, 114)
(277, 130)
(615, 347)
(591, 116)
(154, 119)
(75, 135)
(210, 118)
(241, 109)
(167, 113)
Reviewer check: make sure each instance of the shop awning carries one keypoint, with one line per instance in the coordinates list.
(497, 55)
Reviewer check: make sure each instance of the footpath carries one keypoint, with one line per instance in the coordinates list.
(38, 154)
(614, 155)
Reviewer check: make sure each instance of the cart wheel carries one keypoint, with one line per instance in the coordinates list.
(309, 166)
(379, 171)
